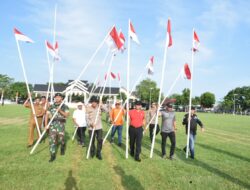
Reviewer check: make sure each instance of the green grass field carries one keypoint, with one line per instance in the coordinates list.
(222, 159)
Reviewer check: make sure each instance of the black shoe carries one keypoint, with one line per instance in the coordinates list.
(185, 149)
(192, 157)
(138, 159)
(52, 157)
(92, 154)
(99, 156)
(164, 156)
(132, 154)
(119, 144)
(62, 149)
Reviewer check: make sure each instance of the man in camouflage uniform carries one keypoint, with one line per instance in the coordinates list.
(57, 126)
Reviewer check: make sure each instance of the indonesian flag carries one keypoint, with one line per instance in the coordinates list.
(122, 39)
(150, 66)
(21, 37)
(112, 75)
(196, 42)
(118, 76)
(186, 74)
(113, 41)
(53, 51)
(169, 37)
(132, 33)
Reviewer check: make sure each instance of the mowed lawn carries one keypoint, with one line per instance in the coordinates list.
(222, 159)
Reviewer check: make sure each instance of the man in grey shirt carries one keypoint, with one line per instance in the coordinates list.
(168, 130)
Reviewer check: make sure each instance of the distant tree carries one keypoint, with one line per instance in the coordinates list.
(185, 96)
(5, 83)
(146, 88)
(122, 96)
(20, 88)
(207, 100)
(196, 100)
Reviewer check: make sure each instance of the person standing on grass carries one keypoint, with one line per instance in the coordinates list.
(152, 114)
(57, 126)
(116, 117)
(193, 128)
(168, 129)
(79, 119)
(137, 122)
(94, 121)
(32, 124)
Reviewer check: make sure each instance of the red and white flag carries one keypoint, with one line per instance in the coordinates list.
(150, 66)
(122, 39)
(132, 33)
(118, 76)
(53, 51)
(113, 76)
(196, 42)
(113, 41)
(186, 74)
(21, 37)
(169, 37)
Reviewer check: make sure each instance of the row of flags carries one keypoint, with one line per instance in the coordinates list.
(116, 42)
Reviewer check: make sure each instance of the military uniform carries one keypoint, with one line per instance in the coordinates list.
(57, 127)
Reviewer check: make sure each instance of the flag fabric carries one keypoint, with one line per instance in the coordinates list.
(118, 76)
(21, 37)
(186, 74)
(169, 37)
(122, 39)
(53, 51)
(196, 42)
(113, 76)
(150, 66)
(132, 33)
(113, 40)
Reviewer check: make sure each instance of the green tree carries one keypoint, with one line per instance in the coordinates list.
(20, 88)
(196, 100)
(147, 89)
(122, 96)
(207, 100)
(185, 97)
(5, 83)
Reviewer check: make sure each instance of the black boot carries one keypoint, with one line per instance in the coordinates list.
(52, 157)
(99, 156)
(63, 147)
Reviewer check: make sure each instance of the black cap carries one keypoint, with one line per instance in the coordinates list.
(138, 102)
(169, 106)
(94, 99)
(43, 97)
(58, 94)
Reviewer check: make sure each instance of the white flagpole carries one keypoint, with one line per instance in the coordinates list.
(78, 78)
(139, 78)
(168, 93)
(190, 98)
(74, 133)
(99, 107)
(163, 73)
(128, 64)
(28, 89)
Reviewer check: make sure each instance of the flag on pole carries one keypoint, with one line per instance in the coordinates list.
(150, 66)
(113, 41)
(21, 37)
(112, 75)
(118, 76)
(196, 42)
(169, 37)
(186, 73)
(53, 51)
(122, 39)
(132, 33)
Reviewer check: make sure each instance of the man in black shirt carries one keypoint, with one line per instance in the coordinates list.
(193, 128)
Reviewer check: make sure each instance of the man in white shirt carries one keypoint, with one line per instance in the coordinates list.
(79, 118)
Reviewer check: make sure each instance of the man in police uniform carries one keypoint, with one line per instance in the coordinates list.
(57, 126)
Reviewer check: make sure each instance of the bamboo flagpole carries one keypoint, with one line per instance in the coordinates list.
(77, 79)
(168, 44)
(99, 107)
(21, 37)
(194, 48)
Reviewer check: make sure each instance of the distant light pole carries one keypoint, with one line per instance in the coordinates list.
(150, 97)
(234, 103)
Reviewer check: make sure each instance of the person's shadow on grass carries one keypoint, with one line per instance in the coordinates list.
(70, 182)
(128, 181)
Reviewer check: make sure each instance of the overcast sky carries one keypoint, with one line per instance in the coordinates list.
(223, 27)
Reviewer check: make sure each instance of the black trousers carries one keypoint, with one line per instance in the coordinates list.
(135, 138)
(151, 130)
(164, 140)
(98, 136)
(81, 134)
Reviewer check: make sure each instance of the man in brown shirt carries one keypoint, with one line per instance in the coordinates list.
(39, 112)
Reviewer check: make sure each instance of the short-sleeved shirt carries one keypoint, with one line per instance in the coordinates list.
(91, 117)
(136, 118)
(117, 116)
(39, 111)
(52, 110)
(80, 117)
(168, 119)
(152, 114)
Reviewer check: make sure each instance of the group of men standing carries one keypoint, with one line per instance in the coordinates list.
(90, 117)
